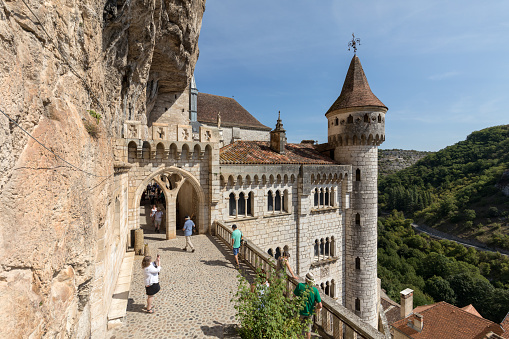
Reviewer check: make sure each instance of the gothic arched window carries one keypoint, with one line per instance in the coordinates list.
(270, 201)
(242, 204)
(233, 203)
(278, 201)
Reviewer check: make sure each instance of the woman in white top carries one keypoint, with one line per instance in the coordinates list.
(151, 270)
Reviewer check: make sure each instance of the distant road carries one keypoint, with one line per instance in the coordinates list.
(469, 243)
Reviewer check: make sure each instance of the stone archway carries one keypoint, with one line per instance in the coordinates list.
(172, 179)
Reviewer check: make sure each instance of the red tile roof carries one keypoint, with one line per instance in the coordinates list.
(471, 309)
(259, 152)
(443, 320)
(356, 91)
(505, 326)
(232, 113)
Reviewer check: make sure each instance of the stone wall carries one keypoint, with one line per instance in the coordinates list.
(239, 133)
(299, 223)
(58, 231)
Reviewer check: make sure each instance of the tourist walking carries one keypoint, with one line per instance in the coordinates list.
(188, 232)
(153, 213)
(158, 218)
(282, 264)
(236, 240)
(151, 270)
(313, 302)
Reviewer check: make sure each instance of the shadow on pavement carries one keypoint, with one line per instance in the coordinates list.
(171, 249)
(226, 251)
(220, 330)
(132, 307)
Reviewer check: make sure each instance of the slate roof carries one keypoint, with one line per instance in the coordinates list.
(259, 152)
(392, 309)
(356, 91)
(232, 113)
(443, 320)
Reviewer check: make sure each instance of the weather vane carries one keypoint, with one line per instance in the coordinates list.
(353, 44)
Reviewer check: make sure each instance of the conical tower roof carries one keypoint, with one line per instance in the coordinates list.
(356, 91)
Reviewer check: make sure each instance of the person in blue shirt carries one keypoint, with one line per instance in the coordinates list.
(236, 238)
(188, 232)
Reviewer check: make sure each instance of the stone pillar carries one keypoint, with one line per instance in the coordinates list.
(171, 216)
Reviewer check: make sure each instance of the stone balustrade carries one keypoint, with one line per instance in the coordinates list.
(333, 321)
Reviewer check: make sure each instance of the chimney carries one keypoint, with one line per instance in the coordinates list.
(407, 302)
(278, 137)
(418, 322)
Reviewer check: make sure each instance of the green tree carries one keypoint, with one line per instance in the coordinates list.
(268, 312)
(440, 289)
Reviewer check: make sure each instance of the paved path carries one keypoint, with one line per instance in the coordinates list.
(196, 288)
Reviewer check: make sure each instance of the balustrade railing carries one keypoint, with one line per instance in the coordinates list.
(333, 321)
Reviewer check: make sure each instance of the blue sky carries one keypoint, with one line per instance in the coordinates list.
(441, 67)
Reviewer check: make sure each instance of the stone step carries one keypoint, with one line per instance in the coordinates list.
(118, 307)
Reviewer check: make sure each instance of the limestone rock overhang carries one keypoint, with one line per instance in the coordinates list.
(356, 91)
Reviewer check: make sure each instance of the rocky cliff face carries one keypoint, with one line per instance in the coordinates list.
(60, 59)
(392, 160)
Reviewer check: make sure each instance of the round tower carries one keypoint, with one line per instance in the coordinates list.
(356, 128)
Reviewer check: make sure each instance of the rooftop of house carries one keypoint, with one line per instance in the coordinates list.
(232, 113)
(356, 91)
(391, 308)
(443, 320)
(259, 152)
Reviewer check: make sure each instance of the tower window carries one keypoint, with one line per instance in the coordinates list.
(358, 219)
(358, 175)
(349, 120)
(337, 121)
(357, 263)
(357, 304)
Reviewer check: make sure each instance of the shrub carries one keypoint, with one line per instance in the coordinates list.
(268, 312)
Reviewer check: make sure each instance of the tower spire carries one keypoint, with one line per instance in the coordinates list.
(278, 136)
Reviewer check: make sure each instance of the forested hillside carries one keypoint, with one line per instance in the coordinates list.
(458, 189)
(440, 270)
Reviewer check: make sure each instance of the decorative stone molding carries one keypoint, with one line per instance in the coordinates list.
(208, 134)
(184, 133)
(120, 167)
(132, 129)
(159, 131)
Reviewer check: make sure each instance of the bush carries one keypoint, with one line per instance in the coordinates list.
(268, 312)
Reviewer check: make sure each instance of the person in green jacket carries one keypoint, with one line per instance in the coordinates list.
(313, 302)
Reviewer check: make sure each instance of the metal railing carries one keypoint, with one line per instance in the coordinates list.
(333, 321)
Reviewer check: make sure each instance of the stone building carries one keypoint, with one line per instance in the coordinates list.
(215, 161)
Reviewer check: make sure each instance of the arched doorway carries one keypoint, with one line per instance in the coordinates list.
(183, 196)
(152, 198)
(186, 204)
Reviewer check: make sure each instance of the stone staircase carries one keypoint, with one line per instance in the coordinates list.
(118, 307)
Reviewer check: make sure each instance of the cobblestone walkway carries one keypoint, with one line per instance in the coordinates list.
(196, 288)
